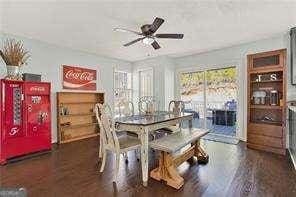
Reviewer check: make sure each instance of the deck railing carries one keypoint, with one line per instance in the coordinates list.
(198, 106)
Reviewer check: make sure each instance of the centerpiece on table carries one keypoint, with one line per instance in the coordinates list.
(14, 55)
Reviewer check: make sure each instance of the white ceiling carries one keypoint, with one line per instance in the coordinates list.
(88, 26)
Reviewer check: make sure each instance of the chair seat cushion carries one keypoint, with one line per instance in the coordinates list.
(126, 142)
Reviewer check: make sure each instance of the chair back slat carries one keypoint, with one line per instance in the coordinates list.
(176, 106)
(148, 104)
(107, 126)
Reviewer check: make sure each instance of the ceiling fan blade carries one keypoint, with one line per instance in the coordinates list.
(133, 42)
(172, 36)
(127, 31)
(156, 24)
(155, 45)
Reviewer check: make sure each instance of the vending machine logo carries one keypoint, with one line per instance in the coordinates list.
(37, 89)
(13, 131)
(79, 78)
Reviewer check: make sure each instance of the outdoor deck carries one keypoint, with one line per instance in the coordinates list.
(216, 129)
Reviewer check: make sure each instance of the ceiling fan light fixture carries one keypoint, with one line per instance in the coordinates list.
(148, 40)
(148, 36)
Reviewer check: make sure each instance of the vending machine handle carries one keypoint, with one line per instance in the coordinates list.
(29, 108)
(3, 96)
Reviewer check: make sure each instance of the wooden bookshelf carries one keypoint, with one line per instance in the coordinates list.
(266, 121)
(75, 115)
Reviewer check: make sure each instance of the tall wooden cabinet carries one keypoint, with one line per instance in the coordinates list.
(266, 101)
(75, 115)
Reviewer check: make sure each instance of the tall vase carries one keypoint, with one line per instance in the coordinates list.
(13, 73)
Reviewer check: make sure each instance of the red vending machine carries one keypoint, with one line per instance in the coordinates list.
(25, 118)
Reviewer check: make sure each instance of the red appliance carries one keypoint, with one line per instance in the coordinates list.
(25, 118)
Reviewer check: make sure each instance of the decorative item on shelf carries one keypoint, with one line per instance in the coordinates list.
(281, 102)
(267, 119)
(259, 97)
(273, 77)
(31, 77)
(66, 124)
(14, 56)
(258, 79)
(266, 77)
(274, 97)
(64, 111)
(67, 112)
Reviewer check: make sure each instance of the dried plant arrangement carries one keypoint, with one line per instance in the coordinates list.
(14, 53)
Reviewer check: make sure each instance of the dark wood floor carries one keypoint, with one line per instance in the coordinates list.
(72, 170)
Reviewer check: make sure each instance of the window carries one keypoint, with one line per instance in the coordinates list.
(122, 88)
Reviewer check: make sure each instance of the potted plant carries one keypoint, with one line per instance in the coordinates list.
(14, 56)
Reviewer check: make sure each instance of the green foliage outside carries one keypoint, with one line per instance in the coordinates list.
(227, 75)
(219, 82)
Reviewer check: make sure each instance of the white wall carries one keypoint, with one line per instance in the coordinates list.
(236, 55)
(47, 60)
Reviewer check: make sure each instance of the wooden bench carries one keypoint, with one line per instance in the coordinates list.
(168, 146)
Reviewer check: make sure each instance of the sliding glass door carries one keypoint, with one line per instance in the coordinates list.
(212, 96)
(221, 101)
(192, 93)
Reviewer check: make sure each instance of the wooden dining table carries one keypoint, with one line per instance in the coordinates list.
(145, 124)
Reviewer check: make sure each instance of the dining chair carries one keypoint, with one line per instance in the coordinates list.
(110, 141)
(175, 107)
(148, 105)
(110, 115)
(128, 108)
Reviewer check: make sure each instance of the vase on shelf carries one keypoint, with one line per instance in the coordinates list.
(13, 73)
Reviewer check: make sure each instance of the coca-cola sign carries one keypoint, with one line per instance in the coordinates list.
(79, 78)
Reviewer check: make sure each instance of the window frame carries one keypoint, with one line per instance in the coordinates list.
(122, 89)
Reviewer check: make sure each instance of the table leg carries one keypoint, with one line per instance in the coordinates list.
(202, 156)
(144, 156)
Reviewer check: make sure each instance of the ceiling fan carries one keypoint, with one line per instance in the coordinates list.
(148, 33)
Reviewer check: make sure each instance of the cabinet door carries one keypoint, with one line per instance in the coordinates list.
(268, 60)
(38, 114)
(13, 116)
